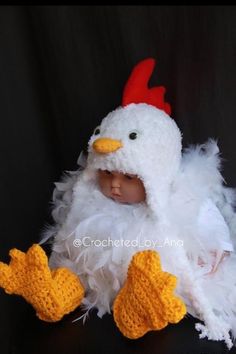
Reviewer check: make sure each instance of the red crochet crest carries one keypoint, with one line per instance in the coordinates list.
(137, 91)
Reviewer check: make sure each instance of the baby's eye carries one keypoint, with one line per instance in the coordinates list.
(129, 177)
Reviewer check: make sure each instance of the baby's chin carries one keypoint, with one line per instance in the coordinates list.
(119, 199)
(122, 201)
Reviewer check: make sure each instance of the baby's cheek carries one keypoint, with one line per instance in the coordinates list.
(133, 193)
(108, 187)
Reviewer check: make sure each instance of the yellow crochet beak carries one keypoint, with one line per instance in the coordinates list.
(106, 145)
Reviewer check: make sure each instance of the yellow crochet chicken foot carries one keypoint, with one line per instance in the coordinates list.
(146, 302)
(53, 293)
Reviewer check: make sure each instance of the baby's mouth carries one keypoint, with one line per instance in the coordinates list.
(115, 193)
(116, 197)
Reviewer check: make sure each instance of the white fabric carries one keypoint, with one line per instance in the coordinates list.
(211, 225)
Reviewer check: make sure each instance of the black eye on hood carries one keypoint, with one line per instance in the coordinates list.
(96, 131)
(133, 135)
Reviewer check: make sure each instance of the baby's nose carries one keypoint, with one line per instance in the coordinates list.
(115, 183)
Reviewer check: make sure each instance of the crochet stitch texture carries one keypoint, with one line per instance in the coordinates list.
(53, 293)
(146, 302)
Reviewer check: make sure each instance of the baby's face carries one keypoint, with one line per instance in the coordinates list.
(123, 188)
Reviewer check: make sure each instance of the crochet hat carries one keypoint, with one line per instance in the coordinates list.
(139, 137)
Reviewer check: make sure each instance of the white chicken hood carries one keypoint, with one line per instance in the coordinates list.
(154, 155)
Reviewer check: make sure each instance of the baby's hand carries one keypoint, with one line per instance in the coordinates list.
(217, 260)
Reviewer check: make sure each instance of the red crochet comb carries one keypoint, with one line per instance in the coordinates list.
(137, 91)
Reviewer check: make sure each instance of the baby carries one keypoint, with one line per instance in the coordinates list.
(138, 186)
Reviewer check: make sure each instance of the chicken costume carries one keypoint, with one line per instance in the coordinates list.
(149, 262)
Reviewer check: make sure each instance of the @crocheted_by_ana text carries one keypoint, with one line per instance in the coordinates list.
(87, 241)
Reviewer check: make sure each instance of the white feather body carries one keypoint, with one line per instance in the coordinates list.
(103, 270)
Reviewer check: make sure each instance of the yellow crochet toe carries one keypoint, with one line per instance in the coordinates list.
(146, 302)
(53, 293)
(64, 294)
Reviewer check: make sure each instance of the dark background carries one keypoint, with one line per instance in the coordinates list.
(62, 69)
